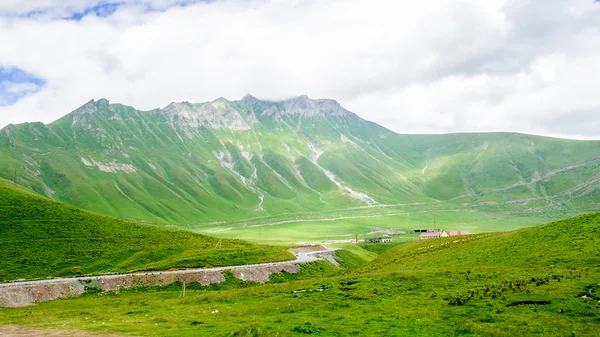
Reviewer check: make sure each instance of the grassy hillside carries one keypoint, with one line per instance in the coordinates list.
(42, 238)
(567, 244)
(537, 281)
(216, 163)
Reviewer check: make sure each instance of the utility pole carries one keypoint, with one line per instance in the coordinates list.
(15, 177)
(183, 292)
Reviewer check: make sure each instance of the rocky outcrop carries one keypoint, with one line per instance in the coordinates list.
(28, 295)
(262, 275)
(218, 114)
(133, 281)
(305, 106)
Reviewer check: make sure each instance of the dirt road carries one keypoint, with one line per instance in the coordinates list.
(301, 257)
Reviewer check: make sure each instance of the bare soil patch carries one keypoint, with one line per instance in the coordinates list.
(21, 331)
(307, 249)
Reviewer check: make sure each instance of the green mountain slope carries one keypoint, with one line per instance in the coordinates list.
(225, 160)
(536, 281)
(42, 238)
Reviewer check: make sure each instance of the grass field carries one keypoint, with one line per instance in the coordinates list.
(534, 281)
(42, 238)
(348, 224)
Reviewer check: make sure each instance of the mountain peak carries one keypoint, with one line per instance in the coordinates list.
(175, 107)
(87, 108)
(215, 114)
(314, 107)
(248, 98)
(220, 100)
(92, 106)
(102, 103)
(302, 99)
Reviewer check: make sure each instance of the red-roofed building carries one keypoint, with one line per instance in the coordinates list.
(457, 233)
(441, 234)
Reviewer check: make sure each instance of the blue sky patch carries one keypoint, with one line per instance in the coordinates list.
(16, 84)
(102, 9)
(107, 8)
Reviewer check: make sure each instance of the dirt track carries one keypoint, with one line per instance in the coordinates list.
(302, 256)
(31, 292)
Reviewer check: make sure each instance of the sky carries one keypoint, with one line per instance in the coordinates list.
(435, 66)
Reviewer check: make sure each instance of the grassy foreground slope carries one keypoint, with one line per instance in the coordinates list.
(42, 238)
(537, 281)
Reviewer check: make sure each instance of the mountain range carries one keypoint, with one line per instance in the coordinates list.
(229, 160)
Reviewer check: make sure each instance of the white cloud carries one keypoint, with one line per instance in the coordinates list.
(436, 66)
(17, 88)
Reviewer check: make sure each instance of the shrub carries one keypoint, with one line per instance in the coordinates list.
(307, 328)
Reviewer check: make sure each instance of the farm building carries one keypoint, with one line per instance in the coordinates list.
(430, 235)
(426, 230)
(378, 240)
(442, 234)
